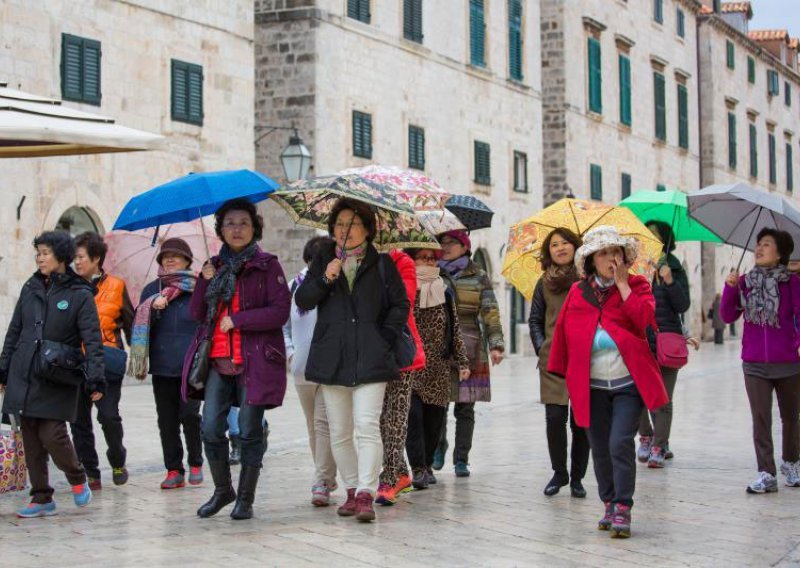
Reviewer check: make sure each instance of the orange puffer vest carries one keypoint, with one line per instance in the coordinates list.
(109, 300)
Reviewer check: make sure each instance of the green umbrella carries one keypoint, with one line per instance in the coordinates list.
(668, 207)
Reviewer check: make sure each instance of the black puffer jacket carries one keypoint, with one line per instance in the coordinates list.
(70, 317)
(171, 332)
(672, 300)
(354, 335)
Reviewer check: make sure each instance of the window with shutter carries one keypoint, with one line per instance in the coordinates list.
(520, 172)
(596, 182)
(362, 134)
(187, 92)
(730, 54)
(773, 165)
(658, 11)
(753, 151)
(732, 140)
(659, 86)
(412, 20)
(789, 168)
(595, 76)
(358, 10)
(661, 187)
(787, 93)
(773, 82)
(515, 39)
(477, 34)
(483, 173)
(683, 117)
(626, 186)
(416, 147)
(751, 70)
(80, 69)
(681, 17)
(624, 89)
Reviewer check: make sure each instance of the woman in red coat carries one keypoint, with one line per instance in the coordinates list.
(600, 345)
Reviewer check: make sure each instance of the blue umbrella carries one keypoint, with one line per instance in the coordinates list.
(191, 197)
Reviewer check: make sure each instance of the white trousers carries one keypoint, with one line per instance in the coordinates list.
(319, 439)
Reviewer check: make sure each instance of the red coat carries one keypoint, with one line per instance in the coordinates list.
(408, 272)
(625, 322)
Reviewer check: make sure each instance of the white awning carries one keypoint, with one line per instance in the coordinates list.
(32, 126)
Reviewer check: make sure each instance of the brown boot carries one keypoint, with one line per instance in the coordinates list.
(364, 510)
(349, 507)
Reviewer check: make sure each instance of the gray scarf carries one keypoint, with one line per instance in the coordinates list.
(223, 285)
(761, 304)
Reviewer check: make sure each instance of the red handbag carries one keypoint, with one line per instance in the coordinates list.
(671, 350)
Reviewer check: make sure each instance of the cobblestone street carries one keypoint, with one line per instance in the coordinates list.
(693, 513)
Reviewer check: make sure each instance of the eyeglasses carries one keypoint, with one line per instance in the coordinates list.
(449, 243)
(431, 259)
(345, 226)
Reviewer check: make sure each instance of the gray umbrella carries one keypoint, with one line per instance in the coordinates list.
(737, 212)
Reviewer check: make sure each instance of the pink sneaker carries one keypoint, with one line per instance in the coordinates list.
(348, 509)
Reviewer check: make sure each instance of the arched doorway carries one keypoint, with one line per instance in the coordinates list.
(77, 220)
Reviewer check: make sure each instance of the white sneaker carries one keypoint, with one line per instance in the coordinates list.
(764, 483)
(792, 472)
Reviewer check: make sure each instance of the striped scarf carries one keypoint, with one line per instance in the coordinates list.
(172, 286)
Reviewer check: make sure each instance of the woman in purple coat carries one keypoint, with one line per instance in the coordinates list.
(243, 298)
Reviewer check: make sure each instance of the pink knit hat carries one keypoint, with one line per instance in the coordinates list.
(459, 235)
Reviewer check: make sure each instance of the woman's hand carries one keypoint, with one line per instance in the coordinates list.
(733, 279)
(621, 277)
(463, 374)
(693, 342)
(496, 355)
(333, 269)
(95, 396)
(226, 324)
(208, 271)
(160, 303)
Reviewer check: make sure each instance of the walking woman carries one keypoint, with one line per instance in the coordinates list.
(359, 320)
(769, 298)
(243, 301)
(558, 256)
(479, 317)
(671, 291)
(298, 333)
(437, 320)
(56, 307)
(600, 345)
(163, 330)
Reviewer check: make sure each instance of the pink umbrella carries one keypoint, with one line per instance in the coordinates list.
(132, 254)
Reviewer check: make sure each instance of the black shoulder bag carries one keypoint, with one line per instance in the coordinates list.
(55, 362)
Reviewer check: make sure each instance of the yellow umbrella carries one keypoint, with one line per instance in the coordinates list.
(522, 265)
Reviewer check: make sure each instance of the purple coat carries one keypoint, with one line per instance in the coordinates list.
(264, 301)
(764, 343)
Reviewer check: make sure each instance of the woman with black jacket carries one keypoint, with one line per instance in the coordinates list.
(671, 290)
(55, 305)
(361, 311)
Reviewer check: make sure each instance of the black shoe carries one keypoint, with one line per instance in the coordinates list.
(555, 484)
(223, 489)
(235, 457)
(576, 489)
(419, 479)
(248, 479)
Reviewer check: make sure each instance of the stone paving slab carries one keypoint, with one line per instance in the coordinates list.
(695, 512)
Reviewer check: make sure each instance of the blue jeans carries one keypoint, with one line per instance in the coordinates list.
(222, 392)
(233, 421)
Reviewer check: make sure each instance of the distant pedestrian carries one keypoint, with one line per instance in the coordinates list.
(769, 298)
(56, 307)
(717, 323)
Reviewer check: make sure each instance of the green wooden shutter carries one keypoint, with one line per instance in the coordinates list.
(659, 86)
(71, 67)
(729, 54)
(658, 11)
(661, 187)
(681, 17)
(358, 10)
(362, 134)
(416, 147)
(753, 151)
(195, 94)
(773, 166)
(596, 182)
(751, 70)
(483, 174)
(477, 34)
(626, 186)
(515, 39)
(595, 77)
(180, 91)
(91, 72)
(773, 82)
(683, 117)
(732, 140)
(624, 89)
(412, 20)
(787, 93)
(789, 168)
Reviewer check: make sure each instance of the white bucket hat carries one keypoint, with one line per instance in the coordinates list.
(602, 237)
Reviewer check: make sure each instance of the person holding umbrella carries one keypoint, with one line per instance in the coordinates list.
(243, 301)
(479, 317)
(163, 328)
(360, 317)
(769, 299)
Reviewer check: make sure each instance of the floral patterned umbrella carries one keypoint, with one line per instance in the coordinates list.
(522, 264)
(309, 202)
(411, 186)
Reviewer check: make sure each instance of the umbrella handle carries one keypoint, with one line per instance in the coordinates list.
(203, 232)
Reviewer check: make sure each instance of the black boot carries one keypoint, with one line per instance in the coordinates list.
(248, 479)
(235, 457)
(223, 489)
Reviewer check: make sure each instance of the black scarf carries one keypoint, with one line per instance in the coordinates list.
(223, 285)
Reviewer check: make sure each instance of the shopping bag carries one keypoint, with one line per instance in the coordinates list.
(13, 472)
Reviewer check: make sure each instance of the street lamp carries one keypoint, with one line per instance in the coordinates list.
(295, 158)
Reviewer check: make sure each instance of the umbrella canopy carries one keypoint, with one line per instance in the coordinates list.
(522, 265)
(309, 202)
(191, 197)
(669, 207)
(132, 254)
(411, 186)
(471, 211)
(32, 126)
(438, 222)
(737, 212)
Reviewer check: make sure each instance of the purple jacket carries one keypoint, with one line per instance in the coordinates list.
(264, 301)
(764, 343)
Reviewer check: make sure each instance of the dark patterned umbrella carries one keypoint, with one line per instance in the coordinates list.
(471, 211)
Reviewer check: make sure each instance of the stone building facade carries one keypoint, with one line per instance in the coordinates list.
(322, 69)
(138, 40)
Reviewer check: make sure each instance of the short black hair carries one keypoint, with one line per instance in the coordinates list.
(665, 233)
(313, 247)
(60, 242)
(239, 204)
(94, 244)
(362, 211)
(588, 264)
(783, 240)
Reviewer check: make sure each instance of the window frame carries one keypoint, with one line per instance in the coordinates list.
(753, 142)
(732, 142)
(772, 158)
(191, 69)
(85, 46)
(359, 10)
(789, 167)
(625, 185)
(683, 116)
(730, 55)
(751, 70)
(681, 23)
(416, 147)
(516, 43)
(413, 21)
(595, 182)
(625, 102)
(658, 11)
(477, 33)
(594, 66)
(482, 162)
(660, 105)
(523, 158)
